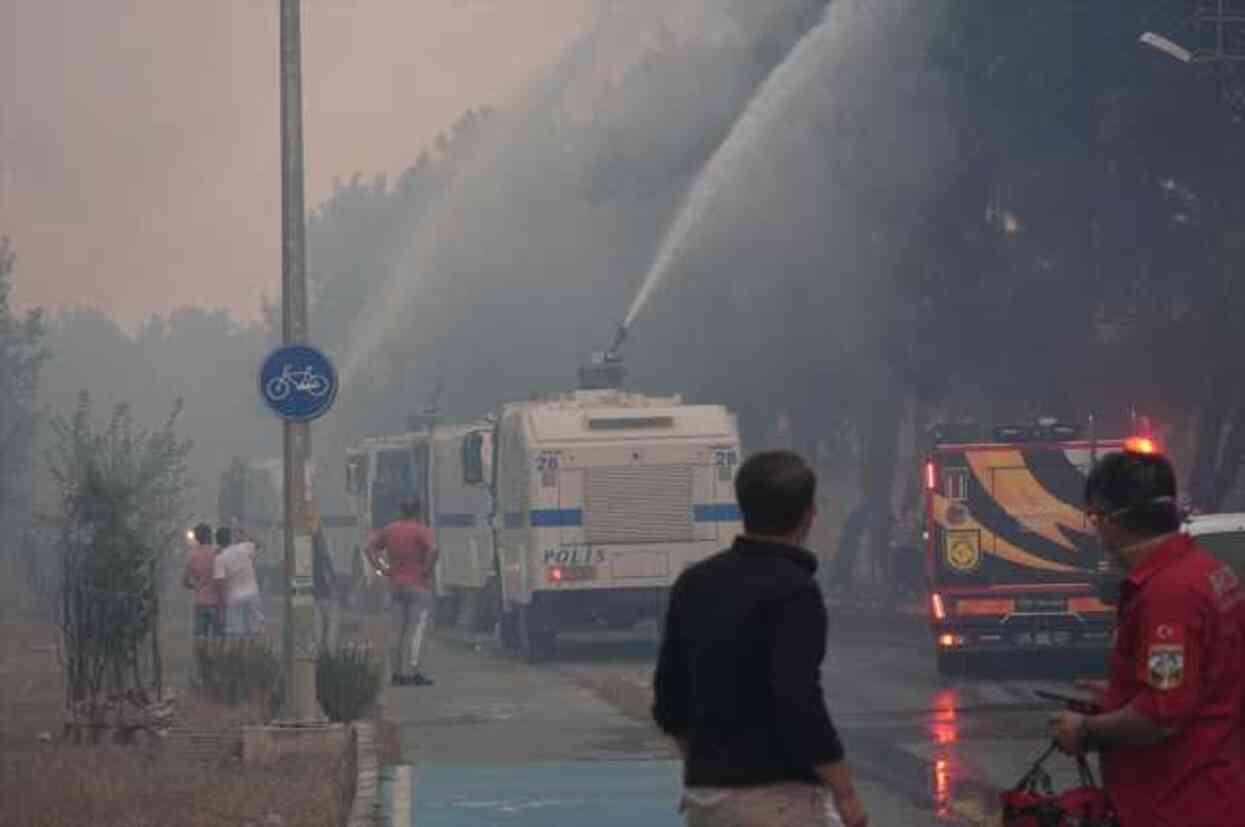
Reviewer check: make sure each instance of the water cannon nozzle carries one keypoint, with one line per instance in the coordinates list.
(620, 336)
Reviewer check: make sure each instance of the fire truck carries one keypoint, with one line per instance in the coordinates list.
(1010, 557)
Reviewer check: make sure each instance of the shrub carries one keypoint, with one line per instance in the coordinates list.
(238, 670)
(348, 681)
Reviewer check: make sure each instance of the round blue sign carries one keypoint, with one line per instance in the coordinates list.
(298, 382)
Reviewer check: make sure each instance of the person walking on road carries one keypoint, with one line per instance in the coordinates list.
(324, 583)
(234, 572)
(1170, 731)
(197, 575)
(410, 557)
(738, 676)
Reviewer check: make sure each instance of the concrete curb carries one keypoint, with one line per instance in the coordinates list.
(364, 806)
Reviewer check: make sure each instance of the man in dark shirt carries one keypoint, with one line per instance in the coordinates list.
(738, 681)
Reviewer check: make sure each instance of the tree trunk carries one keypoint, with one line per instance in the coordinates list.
(1214, 413)
(880, 457)
(1230, 460)
(157, 659)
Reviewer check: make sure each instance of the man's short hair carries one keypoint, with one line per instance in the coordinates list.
(224, 537)
(775, 490)
(203, 534)
(410, 507)
(1136, 491)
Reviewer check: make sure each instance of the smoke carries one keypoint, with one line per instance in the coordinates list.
(139, 140)
(561, 201)
(789, 296)
(782, 301)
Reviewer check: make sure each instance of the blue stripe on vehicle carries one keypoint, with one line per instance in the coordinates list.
(716, 513)
(556, 517)
(456, 520)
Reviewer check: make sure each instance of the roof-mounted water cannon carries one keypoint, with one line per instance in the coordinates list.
(430, 415)
(620, 336)
(606, 370)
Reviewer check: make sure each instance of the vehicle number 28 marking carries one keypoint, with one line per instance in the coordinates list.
(546, 463)
(725, 457)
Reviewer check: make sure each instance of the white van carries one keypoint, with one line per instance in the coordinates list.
(1223, 535)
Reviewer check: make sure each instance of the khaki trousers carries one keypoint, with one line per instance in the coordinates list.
(772, 805)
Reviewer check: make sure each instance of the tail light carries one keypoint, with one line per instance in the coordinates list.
(555, 574)
(931, 477)
(985, 607)
(936, 604)
(1140, 445)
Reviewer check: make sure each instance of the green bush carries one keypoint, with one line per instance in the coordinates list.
(238, 670)
(348, 681)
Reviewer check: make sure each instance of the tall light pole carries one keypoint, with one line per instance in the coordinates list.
(299, 653)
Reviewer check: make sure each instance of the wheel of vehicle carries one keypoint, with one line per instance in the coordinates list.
(663, 610)
(509, 629)
(538, 634)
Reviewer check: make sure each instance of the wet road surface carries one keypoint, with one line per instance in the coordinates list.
(498, 741)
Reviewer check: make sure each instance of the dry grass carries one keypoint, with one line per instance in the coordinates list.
(58, 784)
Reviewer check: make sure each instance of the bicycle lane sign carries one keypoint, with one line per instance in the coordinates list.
(298, 383)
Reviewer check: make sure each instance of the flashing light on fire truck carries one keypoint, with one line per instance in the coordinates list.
(1140, 445)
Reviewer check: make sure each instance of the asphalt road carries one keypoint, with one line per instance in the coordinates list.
(497, 741)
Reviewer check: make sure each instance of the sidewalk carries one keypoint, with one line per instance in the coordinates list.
(488, 708)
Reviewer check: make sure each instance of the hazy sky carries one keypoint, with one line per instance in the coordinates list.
(139, 153)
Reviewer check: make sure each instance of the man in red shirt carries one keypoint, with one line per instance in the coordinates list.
(197, 575)
(410, 555)
(1171, 731)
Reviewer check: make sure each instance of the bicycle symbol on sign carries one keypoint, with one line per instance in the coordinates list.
(305, 381)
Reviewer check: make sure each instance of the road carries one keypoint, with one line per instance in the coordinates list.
(499, 742)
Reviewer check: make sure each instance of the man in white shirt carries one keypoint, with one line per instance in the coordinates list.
(234, 573)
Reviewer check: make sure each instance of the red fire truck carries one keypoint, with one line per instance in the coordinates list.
(1010, 555)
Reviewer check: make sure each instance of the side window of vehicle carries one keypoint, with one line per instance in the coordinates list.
(955, 484)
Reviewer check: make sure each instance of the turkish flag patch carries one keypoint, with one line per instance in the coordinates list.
(1166, 665)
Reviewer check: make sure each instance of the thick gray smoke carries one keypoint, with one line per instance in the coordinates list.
(547, 220)
(549, 155)
(788, 292)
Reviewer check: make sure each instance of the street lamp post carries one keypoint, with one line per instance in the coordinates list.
(300, 703)
(1218, 28)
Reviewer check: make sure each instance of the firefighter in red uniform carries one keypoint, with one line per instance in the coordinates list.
(1171, 733)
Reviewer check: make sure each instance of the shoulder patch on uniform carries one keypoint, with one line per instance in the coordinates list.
(1166, 665)
(1223, 580)
(1226, 586)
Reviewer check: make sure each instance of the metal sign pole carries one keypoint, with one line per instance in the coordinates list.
(300, 703)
